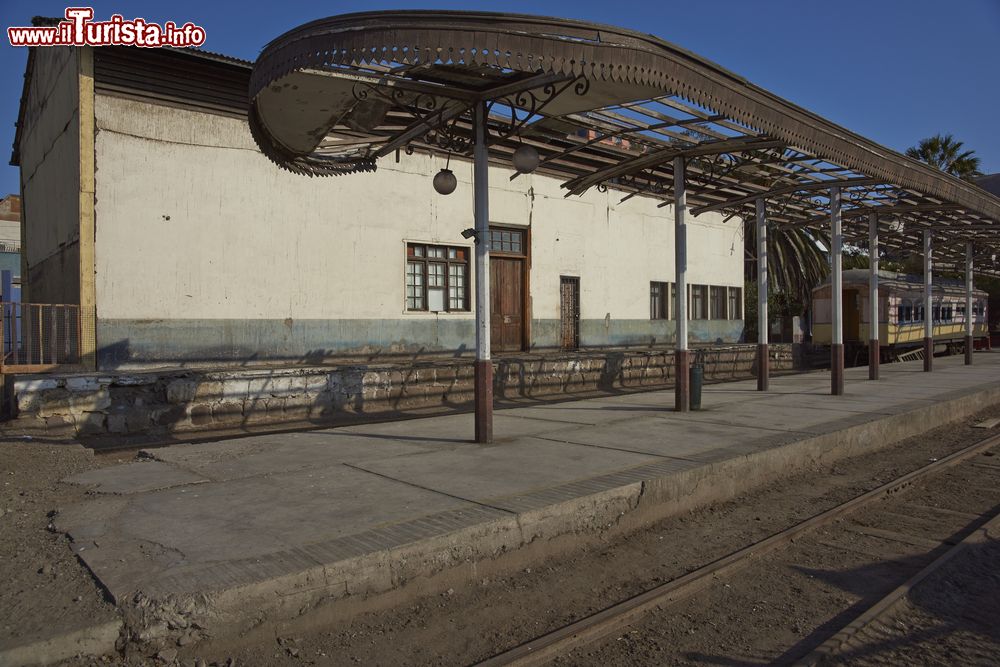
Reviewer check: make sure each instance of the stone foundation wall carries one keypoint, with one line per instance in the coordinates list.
(164, 403)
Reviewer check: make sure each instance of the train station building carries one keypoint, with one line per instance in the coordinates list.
(375, 202)
(392, 223)
(206, 252)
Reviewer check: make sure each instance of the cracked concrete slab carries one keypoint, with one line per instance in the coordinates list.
(283, 521)
(135, 478)
(481, 472)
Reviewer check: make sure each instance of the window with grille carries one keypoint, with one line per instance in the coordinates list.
(659, 301)
(437, 278)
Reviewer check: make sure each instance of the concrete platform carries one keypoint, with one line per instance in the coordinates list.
(225, 534)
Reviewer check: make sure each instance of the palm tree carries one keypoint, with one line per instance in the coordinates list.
(796, 262)
(943, 152)
(796, 259)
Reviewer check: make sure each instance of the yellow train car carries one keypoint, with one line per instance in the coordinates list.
(901, 312)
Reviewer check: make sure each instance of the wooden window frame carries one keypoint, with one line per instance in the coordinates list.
(663, 298)
(713, 308)
(424, 260)
(523, 252)
(738, 292)
(690, 299)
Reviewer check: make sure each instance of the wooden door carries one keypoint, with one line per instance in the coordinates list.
(569, 313)
(507, 304)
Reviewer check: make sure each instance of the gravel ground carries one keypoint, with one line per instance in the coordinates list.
(465, 624)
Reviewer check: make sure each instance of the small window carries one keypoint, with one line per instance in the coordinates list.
(736, 303)
(507, 240)
(436, 278)
(414, 286)
(659, 300)
(718, 302)
(699, 302)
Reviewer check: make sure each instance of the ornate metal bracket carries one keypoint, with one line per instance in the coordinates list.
(527, 104)
(446, 125)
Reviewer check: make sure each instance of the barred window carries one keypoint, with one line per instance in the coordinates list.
(436, 278)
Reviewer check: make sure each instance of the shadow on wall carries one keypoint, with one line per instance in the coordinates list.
(173, 403)
(122, 355)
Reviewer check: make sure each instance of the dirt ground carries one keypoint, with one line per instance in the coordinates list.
(953, 618)
(460, 626)
(46, 591)
(779, 608)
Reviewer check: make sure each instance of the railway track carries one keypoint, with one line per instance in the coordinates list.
(960, 528)
(851, 638)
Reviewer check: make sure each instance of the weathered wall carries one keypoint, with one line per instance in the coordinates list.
(206, 251)
(50, 178)
(182, 402)
(10, 223)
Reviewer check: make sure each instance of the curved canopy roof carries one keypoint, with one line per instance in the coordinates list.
(605, 107)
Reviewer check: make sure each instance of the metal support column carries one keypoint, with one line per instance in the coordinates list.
(873, 311)
(682, 392)
(928, 305)
(763, 358)
(969, 316)
(836, 297)
(483, 366)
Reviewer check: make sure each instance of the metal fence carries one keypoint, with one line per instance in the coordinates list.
(38, 337)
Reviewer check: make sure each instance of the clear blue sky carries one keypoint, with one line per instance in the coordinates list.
(892, 70)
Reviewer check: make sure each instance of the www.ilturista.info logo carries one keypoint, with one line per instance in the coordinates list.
(79, 30)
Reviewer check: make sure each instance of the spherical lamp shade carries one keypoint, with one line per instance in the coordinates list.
(525, 159)
(445, 182)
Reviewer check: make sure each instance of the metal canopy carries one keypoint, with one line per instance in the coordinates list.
(605, 107)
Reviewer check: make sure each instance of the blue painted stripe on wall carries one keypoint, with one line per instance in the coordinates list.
(311, 341)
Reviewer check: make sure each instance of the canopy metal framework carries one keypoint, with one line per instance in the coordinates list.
(605, 108)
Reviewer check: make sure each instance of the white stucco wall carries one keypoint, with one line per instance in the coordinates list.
(194, 223)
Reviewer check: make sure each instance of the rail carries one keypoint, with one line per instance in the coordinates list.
(610, 620)
(38, 337)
